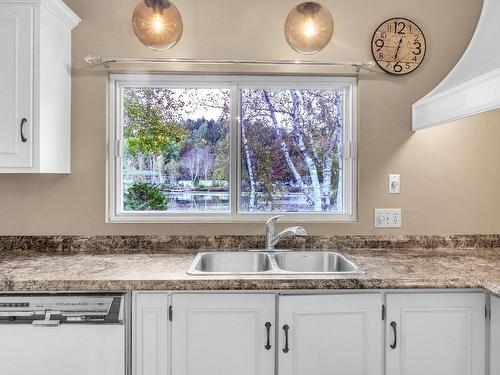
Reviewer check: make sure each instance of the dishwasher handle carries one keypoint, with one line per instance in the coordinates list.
(47, 322)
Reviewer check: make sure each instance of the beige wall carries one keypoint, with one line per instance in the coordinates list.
(450, 175)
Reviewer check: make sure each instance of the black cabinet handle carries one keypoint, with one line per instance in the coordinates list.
(268, 329)
(394, 329)
(286, 349)
(23, 138)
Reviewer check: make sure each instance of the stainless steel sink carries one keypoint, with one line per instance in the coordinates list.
(272, 263)
(230, 263)
(315, 263)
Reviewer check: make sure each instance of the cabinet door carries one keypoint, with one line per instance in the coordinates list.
(225, 334)
(150, 333)
(329, 335)
(16, 77)
(495, 336)
(435, 334)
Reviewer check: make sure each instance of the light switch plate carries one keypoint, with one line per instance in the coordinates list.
(394, 184)
(388, 218)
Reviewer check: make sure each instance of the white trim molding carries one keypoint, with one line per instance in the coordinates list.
(57, 7)
(63, 12)
(478, 95)
(473, 85)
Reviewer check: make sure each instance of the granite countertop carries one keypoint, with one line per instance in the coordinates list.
(24, 271)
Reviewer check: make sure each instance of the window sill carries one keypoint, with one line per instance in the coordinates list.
(242, 218)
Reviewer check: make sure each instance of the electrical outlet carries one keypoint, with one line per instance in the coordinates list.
(394, 184)
(388, 218)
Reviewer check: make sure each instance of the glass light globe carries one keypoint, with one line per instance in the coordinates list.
(157, 24)
(309, 28)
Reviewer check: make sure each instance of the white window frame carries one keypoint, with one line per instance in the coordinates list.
(118, 82)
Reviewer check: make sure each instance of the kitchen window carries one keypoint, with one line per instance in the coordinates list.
(231, 148)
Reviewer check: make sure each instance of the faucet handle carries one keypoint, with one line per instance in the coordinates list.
(273, 220)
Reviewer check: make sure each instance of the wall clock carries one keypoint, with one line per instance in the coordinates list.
(398, 46)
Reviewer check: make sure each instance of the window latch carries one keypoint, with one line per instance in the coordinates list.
(118, 149)
(350, 150)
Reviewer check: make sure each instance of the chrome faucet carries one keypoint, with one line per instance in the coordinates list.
(272, 238)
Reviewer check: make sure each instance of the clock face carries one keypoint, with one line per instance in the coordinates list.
(398, 46)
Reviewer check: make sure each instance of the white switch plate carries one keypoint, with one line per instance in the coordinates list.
(388, 218)
(394, 184)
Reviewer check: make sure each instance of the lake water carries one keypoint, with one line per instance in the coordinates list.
(197, 201)
(219, 201)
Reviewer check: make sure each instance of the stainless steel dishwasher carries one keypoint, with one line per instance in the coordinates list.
(62, 335)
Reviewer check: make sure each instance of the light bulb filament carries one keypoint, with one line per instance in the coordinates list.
(158, 23)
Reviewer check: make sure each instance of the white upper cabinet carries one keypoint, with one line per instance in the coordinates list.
(435, 334)
(35, 94)
(16, 107)
(472, 86)
(223, 334)
(495, 336)
(334, 334)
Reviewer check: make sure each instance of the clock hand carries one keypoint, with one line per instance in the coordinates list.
(397, 50)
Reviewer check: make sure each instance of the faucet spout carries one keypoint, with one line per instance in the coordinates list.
(272, 239)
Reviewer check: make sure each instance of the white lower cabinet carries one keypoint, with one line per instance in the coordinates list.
(150, 333)
(337, 334)
(223, 334)
(330, 334)
(435, 334)
(495, 337)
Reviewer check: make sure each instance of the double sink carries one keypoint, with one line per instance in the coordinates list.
(272, 263)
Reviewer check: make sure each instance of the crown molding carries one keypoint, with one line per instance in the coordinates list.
(62, 11)
(475, 96)
(56, 7)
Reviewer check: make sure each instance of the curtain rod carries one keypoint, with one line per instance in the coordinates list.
(101, 60)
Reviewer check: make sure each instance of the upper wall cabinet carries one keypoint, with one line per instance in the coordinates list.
(472, 86)
(35, 89)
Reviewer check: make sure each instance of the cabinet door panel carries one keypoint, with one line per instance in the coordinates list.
(150, 334)
(222, 334)
(329, 335)
(16, 77)
(437, 334)
(495, 336)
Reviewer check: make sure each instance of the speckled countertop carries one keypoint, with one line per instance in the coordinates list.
(385, 269)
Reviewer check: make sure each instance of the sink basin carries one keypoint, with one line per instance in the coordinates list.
(315, 263)
(230, 263)
(279, 263)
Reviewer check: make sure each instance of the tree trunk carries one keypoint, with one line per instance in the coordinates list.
(251, 204)
(160, 162)
(327, 174)
(313, 171)
(284, 146)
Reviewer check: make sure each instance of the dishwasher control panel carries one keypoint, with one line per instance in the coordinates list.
(53, 310)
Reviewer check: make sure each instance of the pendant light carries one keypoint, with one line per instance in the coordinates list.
(157, 24)
(309, 28)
